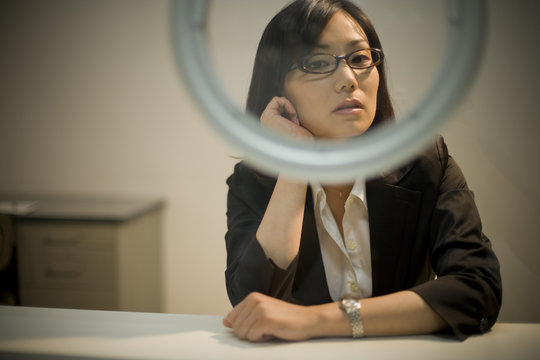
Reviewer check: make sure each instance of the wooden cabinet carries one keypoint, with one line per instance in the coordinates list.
(91, 254)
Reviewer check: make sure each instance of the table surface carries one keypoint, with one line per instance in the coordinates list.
(30, 333)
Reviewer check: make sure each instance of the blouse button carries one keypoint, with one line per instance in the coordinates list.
(351, 245)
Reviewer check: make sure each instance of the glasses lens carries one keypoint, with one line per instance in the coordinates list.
(319, 63)
(362, 59)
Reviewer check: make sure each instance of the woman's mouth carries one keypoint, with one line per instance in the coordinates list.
(349, 107)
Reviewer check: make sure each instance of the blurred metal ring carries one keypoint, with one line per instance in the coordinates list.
(368, 155)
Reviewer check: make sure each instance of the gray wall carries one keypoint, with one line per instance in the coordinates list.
(91, 103)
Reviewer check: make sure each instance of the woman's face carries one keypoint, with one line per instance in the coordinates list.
(340, 104)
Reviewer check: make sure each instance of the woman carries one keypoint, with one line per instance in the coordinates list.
(304, 259)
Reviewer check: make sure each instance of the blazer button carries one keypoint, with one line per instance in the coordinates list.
(484, 325)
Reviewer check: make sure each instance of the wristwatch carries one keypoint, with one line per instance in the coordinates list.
(352, 308)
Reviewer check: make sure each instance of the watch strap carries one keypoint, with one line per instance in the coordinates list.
(352, 308)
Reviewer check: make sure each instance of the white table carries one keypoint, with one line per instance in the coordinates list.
(28, 333)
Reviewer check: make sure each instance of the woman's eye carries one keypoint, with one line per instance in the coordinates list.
(317, 64)
(359, 59)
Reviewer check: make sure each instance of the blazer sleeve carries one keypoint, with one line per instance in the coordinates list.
(248, 268)
(467, 292)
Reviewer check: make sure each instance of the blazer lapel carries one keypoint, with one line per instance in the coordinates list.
(310, 286)
(393, 212)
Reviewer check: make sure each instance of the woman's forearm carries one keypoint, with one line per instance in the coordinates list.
(401, 313)
(281, 227)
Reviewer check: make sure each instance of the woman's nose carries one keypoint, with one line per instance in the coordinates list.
(345, 77)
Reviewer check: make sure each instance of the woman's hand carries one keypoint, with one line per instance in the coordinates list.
(260, 318)
(281, 117)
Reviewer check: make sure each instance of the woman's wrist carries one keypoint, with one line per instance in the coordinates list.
(330, 321)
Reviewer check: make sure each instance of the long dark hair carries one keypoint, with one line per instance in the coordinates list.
(293, 33)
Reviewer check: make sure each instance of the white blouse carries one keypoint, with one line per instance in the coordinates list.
(347, 259)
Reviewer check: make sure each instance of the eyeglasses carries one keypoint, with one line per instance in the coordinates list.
(326, 63)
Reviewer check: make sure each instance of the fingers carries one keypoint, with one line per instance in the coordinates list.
(281, 105)
(232, 316)
(281, 117)
(247, 319)
(287, 109)
(259, 318)
(258, 331)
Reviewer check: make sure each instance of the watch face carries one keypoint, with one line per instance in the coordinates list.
(350, 304)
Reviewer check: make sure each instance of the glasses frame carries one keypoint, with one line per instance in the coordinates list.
(300, 63)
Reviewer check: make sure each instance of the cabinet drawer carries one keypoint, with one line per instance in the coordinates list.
(68, 298)
(65, 255)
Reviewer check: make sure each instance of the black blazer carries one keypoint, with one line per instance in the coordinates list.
(423, 222)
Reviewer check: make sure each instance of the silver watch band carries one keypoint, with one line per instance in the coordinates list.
(352, 309)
